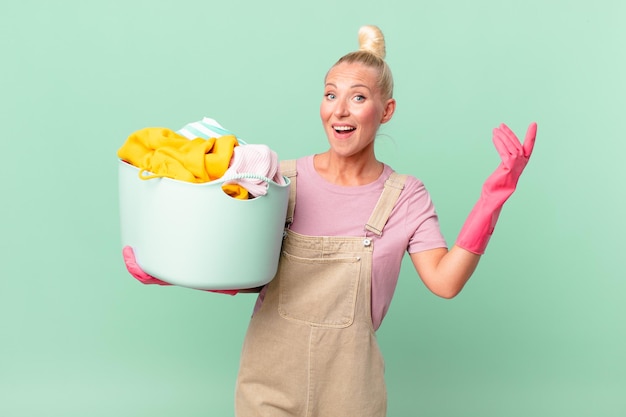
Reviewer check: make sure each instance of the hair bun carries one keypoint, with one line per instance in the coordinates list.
(371, 40)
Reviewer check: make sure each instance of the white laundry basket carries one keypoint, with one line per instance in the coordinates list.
(195, 235)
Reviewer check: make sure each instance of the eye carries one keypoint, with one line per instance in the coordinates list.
(330, 96)
(359, 98)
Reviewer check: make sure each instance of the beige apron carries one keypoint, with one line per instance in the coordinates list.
(311, 350)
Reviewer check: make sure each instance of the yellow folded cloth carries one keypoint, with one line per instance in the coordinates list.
(164, 153)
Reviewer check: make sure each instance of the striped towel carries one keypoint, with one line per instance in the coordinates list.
(205, 129)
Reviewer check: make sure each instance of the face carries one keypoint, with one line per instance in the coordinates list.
(353, 109)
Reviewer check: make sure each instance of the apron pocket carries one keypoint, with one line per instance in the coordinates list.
(318, 291)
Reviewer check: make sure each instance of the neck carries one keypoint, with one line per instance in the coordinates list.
(347, 171)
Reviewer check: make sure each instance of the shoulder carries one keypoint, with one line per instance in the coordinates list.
(411, 183)
(300, 162)
(414, 196)
(291, 167)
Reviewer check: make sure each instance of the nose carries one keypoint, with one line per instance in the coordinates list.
(341, 108)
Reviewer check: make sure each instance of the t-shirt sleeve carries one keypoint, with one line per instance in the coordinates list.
(422, 220)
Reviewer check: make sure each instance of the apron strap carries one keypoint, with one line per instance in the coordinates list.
(288, 169)
(387, 201)
(393, 187)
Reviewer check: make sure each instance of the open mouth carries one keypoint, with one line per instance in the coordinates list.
(344, 129)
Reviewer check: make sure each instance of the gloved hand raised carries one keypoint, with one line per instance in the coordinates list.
(135, 270)
(480, 223)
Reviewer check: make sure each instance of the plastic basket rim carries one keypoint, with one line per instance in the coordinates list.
(218, 181)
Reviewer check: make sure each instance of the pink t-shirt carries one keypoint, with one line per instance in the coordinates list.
(326, 209)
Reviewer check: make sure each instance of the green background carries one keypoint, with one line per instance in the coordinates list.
(540, 330)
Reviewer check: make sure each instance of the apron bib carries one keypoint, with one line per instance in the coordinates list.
(311, 349)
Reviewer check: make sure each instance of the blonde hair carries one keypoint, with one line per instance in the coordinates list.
(372, 54)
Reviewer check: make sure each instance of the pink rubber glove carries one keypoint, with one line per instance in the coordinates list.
(480, 223)
(139, 274)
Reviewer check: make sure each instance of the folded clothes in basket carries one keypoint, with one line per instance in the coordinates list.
(252, 158)
(213, 153)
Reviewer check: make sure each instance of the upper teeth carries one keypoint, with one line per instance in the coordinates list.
(343, 128)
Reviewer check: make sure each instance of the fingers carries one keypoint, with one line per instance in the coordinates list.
(132, 267)
(128, 255)
(529, 141)
(135, 270)
(506, 142)
(500, 145)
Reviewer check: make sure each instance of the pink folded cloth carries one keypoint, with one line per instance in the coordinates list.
(258, 160)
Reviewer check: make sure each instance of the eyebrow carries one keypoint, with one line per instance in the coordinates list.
(352, 86)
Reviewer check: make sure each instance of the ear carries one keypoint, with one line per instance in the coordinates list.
(390, 108)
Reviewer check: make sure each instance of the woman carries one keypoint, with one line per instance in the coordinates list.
(311, 348)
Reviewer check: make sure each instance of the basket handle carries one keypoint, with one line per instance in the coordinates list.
(245, 175)
(144, 174)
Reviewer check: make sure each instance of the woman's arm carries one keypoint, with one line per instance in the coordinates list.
(446, 272)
